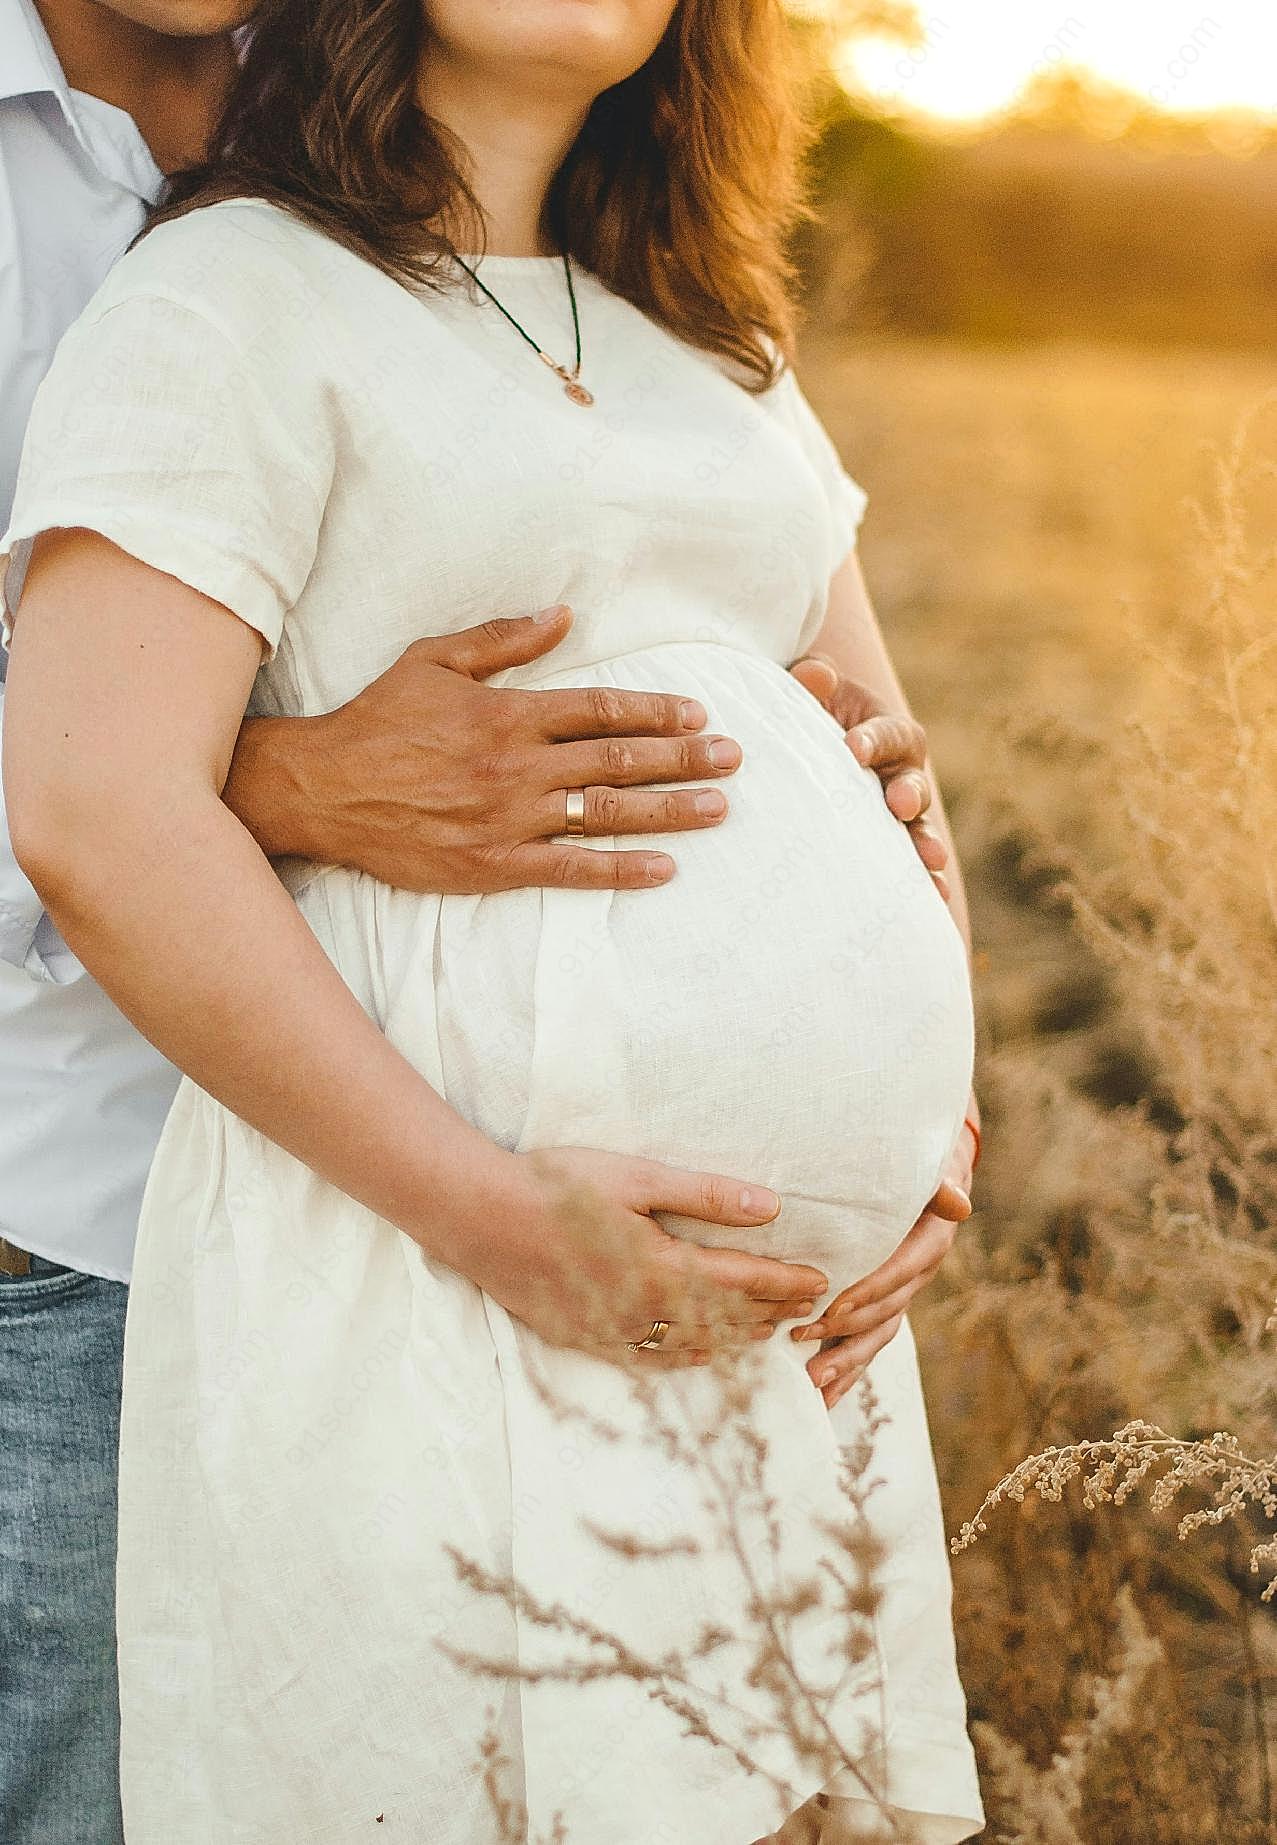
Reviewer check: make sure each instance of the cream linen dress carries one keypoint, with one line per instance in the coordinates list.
(314, 1410)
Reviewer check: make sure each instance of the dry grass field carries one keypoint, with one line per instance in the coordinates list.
(1070, 559)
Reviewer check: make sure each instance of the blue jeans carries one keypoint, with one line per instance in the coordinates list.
(61, 1347)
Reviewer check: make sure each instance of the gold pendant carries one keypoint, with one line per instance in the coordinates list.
(570, 381)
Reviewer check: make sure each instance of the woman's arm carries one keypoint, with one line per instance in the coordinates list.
(852, 639)
(126, 691)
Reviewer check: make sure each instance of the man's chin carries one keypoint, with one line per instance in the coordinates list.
(183, 18)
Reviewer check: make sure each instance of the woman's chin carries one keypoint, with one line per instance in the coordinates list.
(582, 46)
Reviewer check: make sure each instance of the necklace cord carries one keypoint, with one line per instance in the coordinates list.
(522, 331)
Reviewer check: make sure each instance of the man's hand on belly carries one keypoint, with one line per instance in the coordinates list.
(892, 745)
(864, 1318)
(431, 780)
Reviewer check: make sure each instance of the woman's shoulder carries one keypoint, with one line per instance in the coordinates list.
(243, 266)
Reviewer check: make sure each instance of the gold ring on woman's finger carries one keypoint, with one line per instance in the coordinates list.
(654, 1340)
(574, 805)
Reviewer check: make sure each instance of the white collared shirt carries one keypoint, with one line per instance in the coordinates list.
(82, 1096)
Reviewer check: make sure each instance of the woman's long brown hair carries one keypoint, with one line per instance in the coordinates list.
(678, 193)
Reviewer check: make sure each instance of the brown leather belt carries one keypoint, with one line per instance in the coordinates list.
(13, 1261)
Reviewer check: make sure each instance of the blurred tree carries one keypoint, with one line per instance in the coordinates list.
(1083, 213)
(863, 166)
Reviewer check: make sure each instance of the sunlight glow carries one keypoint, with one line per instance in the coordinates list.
(1186, 56)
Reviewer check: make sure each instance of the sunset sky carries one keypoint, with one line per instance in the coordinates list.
(1184, 55)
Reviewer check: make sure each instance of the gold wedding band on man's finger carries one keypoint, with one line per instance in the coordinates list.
(602, 811)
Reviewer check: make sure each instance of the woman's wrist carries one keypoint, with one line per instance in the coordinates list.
(491, 1201)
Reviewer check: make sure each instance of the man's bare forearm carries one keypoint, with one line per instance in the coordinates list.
(276, 788)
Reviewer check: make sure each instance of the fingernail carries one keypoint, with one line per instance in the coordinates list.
(801, 1334)
(549, 615)
(691, 715)
(824, 1375)
(709, 803)
(756, 1201)
(659, 868)
(723, 753)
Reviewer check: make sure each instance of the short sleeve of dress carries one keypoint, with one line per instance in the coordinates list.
(155, 430)
(846, 499)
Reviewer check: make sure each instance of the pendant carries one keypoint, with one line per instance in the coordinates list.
(570, 381)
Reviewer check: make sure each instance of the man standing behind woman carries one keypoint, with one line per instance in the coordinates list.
(96, 102)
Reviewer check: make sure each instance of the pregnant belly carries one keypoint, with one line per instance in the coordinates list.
(793, 1008)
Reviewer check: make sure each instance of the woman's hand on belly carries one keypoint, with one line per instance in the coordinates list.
(864, 1318)
(582, 1260)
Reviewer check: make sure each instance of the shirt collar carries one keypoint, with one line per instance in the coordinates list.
(108, 137)
(28, 62)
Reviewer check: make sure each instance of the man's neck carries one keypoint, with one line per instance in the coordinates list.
(172, 87)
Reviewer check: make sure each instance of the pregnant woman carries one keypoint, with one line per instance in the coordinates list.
(479, 305)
